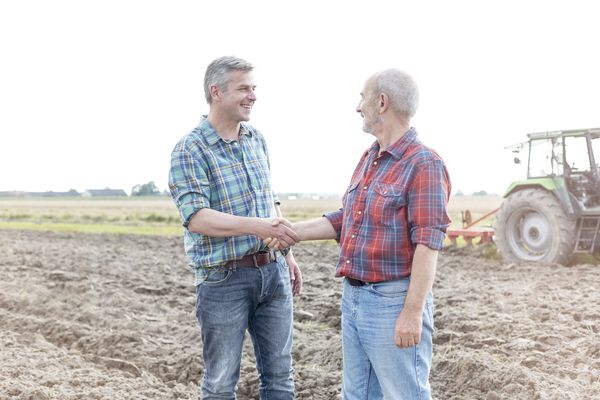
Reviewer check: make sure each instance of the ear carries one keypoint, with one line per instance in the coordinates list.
(215, 93)
(384, 103)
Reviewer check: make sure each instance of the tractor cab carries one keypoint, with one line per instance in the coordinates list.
(555, 212)
(566, 155)
(581, 172)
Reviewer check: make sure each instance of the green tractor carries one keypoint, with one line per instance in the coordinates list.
(556, 211)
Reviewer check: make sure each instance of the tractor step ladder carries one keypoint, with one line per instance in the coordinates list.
(587, 234)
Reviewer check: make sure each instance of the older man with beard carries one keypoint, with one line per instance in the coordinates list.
(390, 229)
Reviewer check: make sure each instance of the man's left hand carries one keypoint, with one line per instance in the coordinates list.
(295, 274)
(408, 328)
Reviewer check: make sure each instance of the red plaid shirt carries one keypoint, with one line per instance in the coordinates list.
(394, 202)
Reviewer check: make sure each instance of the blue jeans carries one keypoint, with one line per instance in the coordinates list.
(374, 367)
(229, 301)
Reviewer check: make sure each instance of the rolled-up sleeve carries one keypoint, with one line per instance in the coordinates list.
(336, 218)
(188, 183)
(427, 201)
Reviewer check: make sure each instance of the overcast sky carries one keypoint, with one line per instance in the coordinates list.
(96, 94)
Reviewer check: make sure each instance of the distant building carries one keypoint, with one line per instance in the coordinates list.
(50, 193)
(309, 196)
(104, 193)
(13, 193)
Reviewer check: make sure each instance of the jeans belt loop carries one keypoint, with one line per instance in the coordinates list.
(255, 260)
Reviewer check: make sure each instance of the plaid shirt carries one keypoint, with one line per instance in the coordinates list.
(231, 177)
(394, 202)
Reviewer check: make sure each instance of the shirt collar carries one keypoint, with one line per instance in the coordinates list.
(398, 148)
(211, 135)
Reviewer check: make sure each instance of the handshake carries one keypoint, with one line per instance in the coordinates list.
(278, 233)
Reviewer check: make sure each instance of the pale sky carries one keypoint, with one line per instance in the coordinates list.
(96, 94)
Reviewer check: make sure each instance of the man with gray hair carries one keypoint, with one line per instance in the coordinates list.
(220, 181)
(390, 229)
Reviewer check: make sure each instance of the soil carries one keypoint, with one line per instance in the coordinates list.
(112, 317)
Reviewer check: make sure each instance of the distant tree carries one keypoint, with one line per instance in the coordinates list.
(459, 193)
(145, 189)
(480, 193)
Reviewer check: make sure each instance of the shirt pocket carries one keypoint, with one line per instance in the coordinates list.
(348, 199)
(388, 204)
(259, 188)
(229, 190)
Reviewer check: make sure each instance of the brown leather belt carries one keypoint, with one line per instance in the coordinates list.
(356, 282)
(253, 260)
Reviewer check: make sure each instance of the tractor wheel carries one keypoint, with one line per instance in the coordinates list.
(531, 225)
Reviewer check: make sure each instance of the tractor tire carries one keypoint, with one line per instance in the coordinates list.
(531, 225)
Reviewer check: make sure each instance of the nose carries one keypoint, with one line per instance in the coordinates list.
(358, 107)
(252, 95)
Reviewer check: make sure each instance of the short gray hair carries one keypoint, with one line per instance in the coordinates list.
(217, 73)
(400, 88)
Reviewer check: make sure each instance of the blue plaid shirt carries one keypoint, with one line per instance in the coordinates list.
(231, 177)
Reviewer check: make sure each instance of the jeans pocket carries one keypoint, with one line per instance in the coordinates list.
(281, 262)
(214, 276)
(391, 289)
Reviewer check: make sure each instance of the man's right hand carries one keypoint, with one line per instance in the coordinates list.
(314, 229)
(279, 229)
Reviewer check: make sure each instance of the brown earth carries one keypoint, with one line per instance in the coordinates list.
(111, 317)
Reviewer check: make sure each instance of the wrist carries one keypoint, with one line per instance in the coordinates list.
(299, 229)
(256, 225)
(413, 308)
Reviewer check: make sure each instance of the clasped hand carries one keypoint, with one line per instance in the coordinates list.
(279, 234)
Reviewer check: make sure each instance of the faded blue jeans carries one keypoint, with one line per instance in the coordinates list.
(229, 301)
(374, 367)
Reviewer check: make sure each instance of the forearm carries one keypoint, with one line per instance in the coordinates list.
(315, 229)
(421, 278)
(218, 224)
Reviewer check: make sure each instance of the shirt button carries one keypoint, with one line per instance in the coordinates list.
(375, 162)
(365, 188)
(360, 212)
(347, 261)
(353, 236)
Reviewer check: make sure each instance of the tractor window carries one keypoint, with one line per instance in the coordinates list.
(596, 150)
(576, 154)
(545, 158)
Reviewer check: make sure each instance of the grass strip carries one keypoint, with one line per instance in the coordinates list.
(93, 228)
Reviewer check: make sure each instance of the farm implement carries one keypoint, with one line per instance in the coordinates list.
(470, 232)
